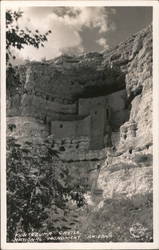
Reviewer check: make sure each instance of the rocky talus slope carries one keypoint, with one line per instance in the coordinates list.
(123, 75)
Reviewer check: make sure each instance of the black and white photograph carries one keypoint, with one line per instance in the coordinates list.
(78, 115)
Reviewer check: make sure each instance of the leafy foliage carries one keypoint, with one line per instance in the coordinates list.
(40, 195)
(17, 37)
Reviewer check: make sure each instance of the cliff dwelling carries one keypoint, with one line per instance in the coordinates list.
(81, 126)
(91, 120)
(80, 101)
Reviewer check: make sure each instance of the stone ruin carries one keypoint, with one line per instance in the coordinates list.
(87, 103)
(91, 121)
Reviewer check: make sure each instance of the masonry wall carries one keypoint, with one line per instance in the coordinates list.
(97, 127)
(99, 112)
(86, 104)
(115, 103)
(118, 110)
(63, 129)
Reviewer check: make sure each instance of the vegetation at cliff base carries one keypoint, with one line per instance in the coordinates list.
(121, 219)
(40, 196)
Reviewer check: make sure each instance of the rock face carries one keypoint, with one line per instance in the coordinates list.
(96, 111)
(89, 102)
(138, 78)
(127, 175)
(27, 128)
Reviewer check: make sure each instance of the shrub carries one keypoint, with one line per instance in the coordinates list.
(38, 190)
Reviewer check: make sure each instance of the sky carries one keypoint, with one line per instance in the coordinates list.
(77, 30)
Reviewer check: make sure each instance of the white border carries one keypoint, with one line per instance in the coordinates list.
(156, 122)
(155, 244)
(79, 3)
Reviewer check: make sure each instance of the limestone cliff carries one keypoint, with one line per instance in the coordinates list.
(135, 59)
(64, 89)
(96, 110)
(53, 88)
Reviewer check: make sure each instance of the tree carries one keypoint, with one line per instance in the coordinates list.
(17, 37)
(39, 191)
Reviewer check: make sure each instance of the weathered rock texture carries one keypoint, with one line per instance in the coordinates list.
(126, 175)
(88, 102)
(96, 111)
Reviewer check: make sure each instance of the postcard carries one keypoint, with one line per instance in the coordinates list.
(79, 125)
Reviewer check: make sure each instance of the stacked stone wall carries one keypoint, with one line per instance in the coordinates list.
(62, 129)
(98, 123)
(85, 105)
